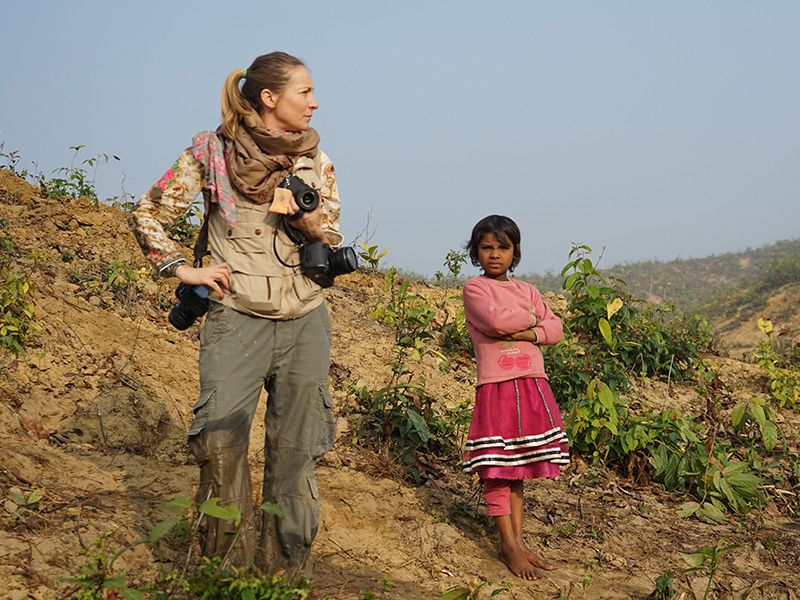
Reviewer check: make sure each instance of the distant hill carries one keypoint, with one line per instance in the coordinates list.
(716, 285)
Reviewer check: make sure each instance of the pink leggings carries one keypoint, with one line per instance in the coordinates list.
(497, 493)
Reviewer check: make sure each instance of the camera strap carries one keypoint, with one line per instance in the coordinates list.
(201, 243)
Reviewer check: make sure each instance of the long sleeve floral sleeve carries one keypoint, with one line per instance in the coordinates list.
(331, 204)
(157, 209)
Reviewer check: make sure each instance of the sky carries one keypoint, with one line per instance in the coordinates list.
(652, 130)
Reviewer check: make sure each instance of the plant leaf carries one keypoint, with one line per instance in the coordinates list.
(687, 509)
(212, 508)
(712, 513)
(695, 560)
(420, 426)
(605, 330)
(161, 529)
(613, 307)
(737, 414)
(178, 504)
(271, 508)
(769, 435)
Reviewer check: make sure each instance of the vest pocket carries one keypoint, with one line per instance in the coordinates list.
(259, 293)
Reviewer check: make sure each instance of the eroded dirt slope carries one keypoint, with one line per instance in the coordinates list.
(95, 414)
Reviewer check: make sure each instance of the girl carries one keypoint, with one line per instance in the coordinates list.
(516, 431)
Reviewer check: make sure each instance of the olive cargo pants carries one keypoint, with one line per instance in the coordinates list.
(239, 355)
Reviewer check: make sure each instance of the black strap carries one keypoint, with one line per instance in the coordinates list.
(201, 244)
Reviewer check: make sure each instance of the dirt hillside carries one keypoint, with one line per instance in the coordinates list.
(95, 414)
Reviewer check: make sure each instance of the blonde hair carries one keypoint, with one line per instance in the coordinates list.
(268, 72)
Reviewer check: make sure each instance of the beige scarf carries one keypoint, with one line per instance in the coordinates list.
(258, 159)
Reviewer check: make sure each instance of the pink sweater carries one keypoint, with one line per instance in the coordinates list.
(498, 308)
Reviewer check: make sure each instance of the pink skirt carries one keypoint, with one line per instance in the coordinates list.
(516, 431)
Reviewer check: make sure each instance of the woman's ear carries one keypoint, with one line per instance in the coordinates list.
(268, 99)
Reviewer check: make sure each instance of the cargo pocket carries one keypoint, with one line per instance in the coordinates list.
(259, 293)
(327, 427)
(202, 409)
(256, 282)
(215, 324)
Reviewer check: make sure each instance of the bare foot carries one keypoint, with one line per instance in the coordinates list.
(517, 561)
(533, 558)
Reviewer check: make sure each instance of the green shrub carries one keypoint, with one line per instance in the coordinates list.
(401, 418)
(16, 311)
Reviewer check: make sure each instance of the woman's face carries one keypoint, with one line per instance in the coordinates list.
(290, 110)
(495, 256)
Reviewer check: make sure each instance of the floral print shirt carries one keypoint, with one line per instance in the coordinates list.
(175, 192)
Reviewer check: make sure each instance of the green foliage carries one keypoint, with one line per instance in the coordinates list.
(208, 579)
(749, 414)
(19, 502)
(713, 476)
(609, 337)
(10, 160)
(782, 375)
(211, 582)
(371, 255)
(470, 591)
(185, 229)
(16, 311)
(454, 338)
(75, 181)
(652, 341)
(707, 560)
(402, 418)
(664, 589)
(454, 261)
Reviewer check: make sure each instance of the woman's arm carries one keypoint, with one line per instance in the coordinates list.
(160, 207)
(165, 202)
(489, 316)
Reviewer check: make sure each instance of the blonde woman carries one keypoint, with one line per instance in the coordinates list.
(267, 323)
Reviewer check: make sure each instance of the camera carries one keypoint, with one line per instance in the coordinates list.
(192, 304)
(321, 263)
(306, 197)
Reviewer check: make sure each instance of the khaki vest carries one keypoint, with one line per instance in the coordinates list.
(260, 285)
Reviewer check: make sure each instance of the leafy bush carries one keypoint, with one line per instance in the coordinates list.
(75, 181)
(206, 579)
(16, 311)
(402, 418)
(783, 376)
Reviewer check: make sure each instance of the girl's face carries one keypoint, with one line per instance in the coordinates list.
(495, 256)
(290, 110)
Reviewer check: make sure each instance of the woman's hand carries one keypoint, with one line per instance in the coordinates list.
(309, 223)
(216, 277)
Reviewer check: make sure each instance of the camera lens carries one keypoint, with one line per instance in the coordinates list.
(180, 318)
(307, 200)
(343, 260)
(192, 303)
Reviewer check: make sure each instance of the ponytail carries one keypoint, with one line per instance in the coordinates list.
(234, 106)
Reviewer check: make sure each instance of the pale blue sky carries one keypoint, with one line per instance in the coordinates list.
(655, 129)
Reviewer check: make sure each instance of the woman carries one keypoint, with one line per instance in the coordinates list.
(267, 325)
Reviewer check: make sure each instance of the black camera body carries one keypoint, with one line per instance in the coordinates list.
(321, 263)
(318, 261)
(192, 304)
(305, 196)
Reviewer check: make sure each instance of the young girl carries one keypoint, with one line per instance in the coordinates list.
(516, 431)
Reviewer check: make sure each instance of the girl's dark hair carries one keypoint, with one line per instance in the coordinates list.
(268, 72)
(503, 228)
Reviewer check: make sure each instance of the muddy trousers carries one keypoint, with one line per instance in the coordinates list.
(239, 355)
